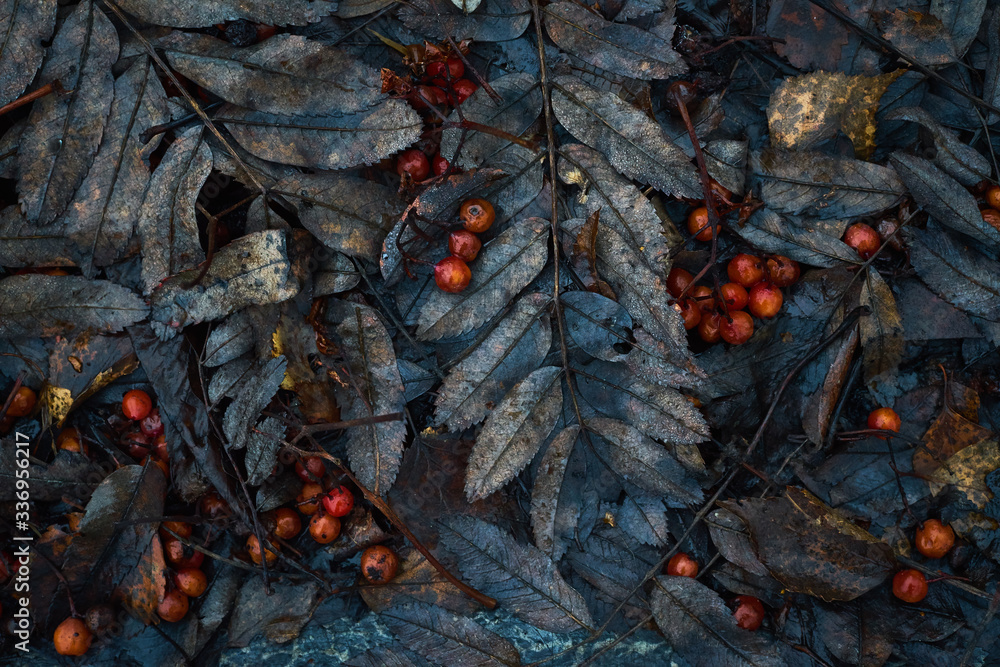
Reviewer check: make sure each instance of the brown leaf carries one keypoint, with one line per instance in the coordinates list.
(949, 434)
(967, 471)
(882, 329)
(584, 257)
(812, 38)
(102, 360)
(810, 108)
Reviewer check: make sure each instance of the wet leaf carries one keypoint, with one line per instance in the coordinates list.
(63, 131)
(514, 431)
(515, 114)
(962, 20)
(348, 9)
(967, 470)
(825, 187)
(813, 39)
(80, 367)
(642, 516)
(634, 144)
(811, 548)
(583, 257)
(515, 346)
(22, 243)
(506, 265)
(794, 238)
(810, 108)
(961, 161)
(519, 576)
(232, 338)
(955, 272)
(942, 197)
(658, 411)
(197, 14)
(278, 612)
(39, 305)
(285, 74)
(382, 655)
(104, 211)
(252, 397)
(546, 490)
(263, 443)
(730, 536)
(620, 48)
(167, 225)
(882, 330)
(920, 36)
(447, 639)
(495, 21)
(25, 25)
(646, 463)
(253, 270)
(699, 626)
(949, 434)
(374, 450)
(345, 213)
(328, 141)
(597, 324)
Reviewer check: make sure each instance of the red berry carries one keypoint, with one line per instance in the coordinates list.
(708, 328)
(682, 565)
(678, 281)
(885, 419)
(179, 554)
(379, 564)
(746, 270)
(697, 224)
(782, 271)
(309, 498)
(72, 637)
(749, 612)
(935, 539)
(191, 581)
(152, 425)
(435, 69)
(160, 448)
(463, 90)
(179, 527)
(23, 402)
(414, 163)
(862, 238)
(477, 215)
(338, 502)
(735, 296)
(312, 471)
(690, 313)
(702, 296)
(464, 244)
(287, 523)
(456, 68)
(264, 31)
(909, 585)
(452, 274)
(421, 95)
(439, 164)
(255, 551)
(136, 404)
(737, 329)
(174, 606)
(993, 196)
(765, 300)
(324, 528)
(991, 216)
(212, 505)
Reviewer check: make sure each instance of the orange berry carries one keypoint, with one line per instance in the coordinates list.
(735, 296)
(885, 419)
(477, 215)
(180, 527)
(935, 539)
(191, 581)
(708, 328)
(339, 501)
(287, 523)
(690, 313)
(173, 607)
(379, 564)
(324, 528)
(746, 270)
(993, 196)
(678, 281)
(179, 554)
(310, 469)
(72, 637)
(765, 300)
(749, 612)
(682, 565)
(136, 404)
(69, 440)
(697, 224)
(737, 329)
(452, 274)
(23, 402)
(464, 244)
(309, 498)
(909, 585)
(782, 271)
(255, 550)
(862, 238)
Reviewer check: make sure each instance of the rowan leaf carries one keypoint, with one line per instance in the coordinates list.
(882, 329)
(197, 14)
(958, 274)
(795, 238)
(597, 324)
(546, 490)
(447, 639)
(25, 25)
(252, 397)
(495, 21)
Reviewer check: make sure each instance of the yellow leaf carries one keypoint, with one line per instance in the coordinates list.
(967, 470)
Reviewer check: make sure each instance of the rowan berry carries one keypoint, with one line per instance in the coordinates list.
(69, 440)
(737, 328)
(72, 637)
(678, 280)
(173, 607)
(885, 419)
(702, 296)
(782, 271)
(258, 555)
(682, 565)
(697, 224)
(689, 311)
(735, 296)
(339, 501)
(765, 300)
(287, 523)
(379, 564)
(191, 581)
(463, 89)
(23, 402)
(935, 539)
(152, 425)
(310, 469)
(745, 270)
(909, 585)
(212, 505)
(708, 328)
(862, 238)
(309, 498)
(136, 404)
(414, 163)
(439, 165)
(749, 612)
(324, 528)
(477, 215)
(179, 554)
(464, 244)
(181, 528)
(452, 274)
(993, 196)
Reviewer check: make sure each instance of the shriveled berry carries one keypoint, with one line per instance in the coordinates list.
(463, 90)
(309, 498)
(737, 329)
(439, 164)
(324, 528)
(258, 554)
(862, 238)
(72, 637)
(151, 425)
(697, 224)
(69, 440)
(413, 163)
(23, 402)
(885, 419)
(173, 607)
(212, 505)
(749, 612)
(746, 270)
(477, 215)
(191, 581)
(720, 191)
(765, 300)
(782, 271)
(708, 328)
(682, 565)
(690, 313)
(454, 66)
(179, 554)
(287, 523)
(339, 501)
(452, 274)
(310, 469)
(935, 539)
(909, 585)
(702, 296)
(379, 564)
(678, 280)
(136, 404)
(735, 296)
(464, 244)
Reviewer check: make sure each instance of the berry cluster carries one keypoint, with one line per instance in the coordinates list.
(755, 284)
(748, 610)
(452, 274)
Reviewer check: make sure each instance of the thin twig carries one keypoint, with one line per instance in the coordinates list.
(53, 87)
